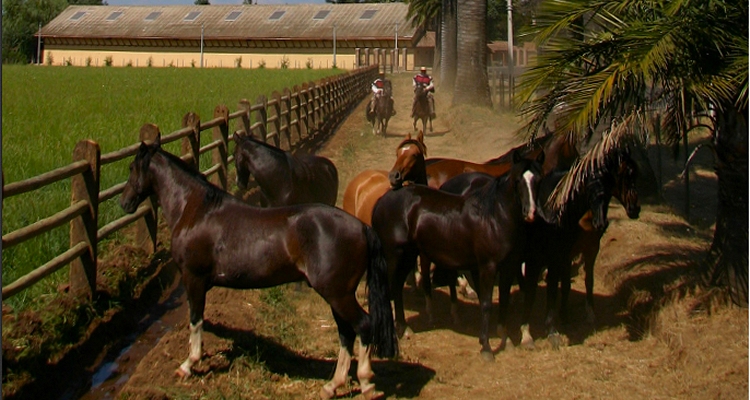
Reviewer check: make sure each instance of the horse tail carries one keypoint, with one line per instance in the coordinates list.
(381, 315)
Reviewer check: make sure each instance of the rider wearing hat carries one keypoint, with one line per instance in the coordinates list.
(422, 78)
(378, 87)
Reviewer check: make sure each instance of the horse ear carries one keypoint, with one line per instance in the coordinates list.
(408, 136)
(157, 140)
(420, 136)
(540, 158)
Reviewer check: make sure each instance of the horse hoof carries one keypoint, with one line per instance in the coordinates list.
(408, 333)
(369, 392)
(528, 345)
(555, 340)
(326, 394)
(181, 373)
(487, 356)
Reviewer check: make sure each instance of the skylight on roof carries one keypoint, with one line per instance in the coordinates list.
(114, 15)
(232, 16)
(322, 14)
(276, 15)
(153, 16)
(78, 15)
(368, 14)
(192, 16)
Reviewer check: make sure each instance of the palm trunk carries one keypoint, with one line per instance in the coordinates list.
(471, 85)
(727, 263)
(437, 66)
(448, 44)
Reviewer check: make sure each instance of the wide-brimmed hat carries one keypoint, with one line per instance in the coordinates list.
(423, 69)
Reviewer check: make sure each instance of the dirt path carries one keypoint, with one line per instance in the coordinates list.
(644, 344)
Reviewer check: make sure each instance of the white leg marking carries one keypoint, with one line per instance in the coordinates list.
(196, 333)
(528, 176)
(339, 377)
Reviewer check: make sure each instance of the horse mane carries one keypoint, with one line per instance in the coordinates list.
(486, 197)
(275, 151)
(214, 196)
(421, 145)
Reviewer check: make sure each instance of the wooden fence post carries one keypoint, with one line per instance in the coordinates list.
(311, 109)
(286, 111)
(220, 153)
(192, 144)
(145, 228)
(85, 186)
(297, 110)
(277, 119)
(262, 116)
(305, 108)
(245, 105)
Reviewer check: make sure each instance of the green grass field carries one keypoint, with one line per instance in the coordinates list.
(47, 110)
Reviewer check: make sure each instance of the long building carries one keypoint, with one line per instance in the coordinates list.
(246, 36)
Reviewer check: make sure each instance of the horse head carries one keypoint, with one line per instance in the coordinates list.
(242, 157)
(526, 175)
(625, 173)
(409, 165)
(140, 181)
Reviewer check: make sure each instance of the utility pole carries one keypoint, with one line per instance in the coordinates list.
(39, 46)
(334, 45)
(202, 27)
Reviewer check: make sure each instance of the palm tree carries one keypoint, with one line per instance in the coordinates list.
(622, 61)
(471, 85)
(425, 13)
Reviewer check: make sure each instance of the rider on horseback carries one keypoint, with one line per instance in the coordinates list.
(378, 87)
(422, 78)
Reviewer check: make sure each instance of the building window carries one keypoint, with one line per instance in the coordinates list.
(78, 15)
(114, 15)
(153, 16)
(192, 16)
(232, 16)
(277, 15)
(368, 14)
(322, 14)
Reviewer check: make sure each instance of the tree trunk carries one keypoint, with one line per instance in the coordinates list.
(471, 85)
(448, 44)
(727, 263)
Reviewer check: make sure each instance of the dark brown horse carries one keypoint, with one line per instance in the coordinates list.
(217, 240)
(383, 112)
(368, 186)
(483, 232)
(421, 108)
(576, 229)
(284, 178)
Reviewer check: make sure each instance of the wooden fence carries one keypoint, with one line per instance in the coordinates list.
(503, 85)
(288, 119)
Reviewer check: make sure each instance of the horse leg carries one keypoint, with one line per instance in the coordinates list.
(528, 281)
(350, 315)
(589, 258)
(196, 294)
(405, 265)
(508, 273)
(347, 335)
(565, 277)
(426, 281)
(553, 277)
(486, 283)
(454, 299)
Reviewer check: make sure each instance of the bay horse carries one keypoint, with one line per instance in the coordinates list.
(421, 108)
(364, 190)
(284, 178)
(383, 113)
(483, 232)
(218, 240)
(440, 170)
(576, 229)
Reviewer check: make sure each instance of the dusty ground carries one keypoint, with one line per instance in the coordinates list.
(653, 338)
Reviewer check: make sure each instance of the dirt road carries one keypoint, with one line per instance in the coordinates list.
(649, 340)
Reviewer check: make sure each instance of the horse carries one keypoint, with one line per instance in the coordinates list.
(421, 108)
(284, 178)
(483, 232)
(577, 229)
(383, 111)
(440, 170)
(364, 190)
(218, 240)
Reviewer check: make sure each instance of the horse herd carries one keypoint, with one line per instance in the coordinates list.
(451, 214)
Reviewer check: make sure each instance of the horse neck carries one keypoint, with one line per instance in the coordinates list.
(174, 187)
(501, 200)
(419, 172)
(592, 198)
(264, 154)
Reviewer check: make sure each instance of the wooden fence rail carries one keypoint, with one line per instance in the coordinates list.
(303, 113)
